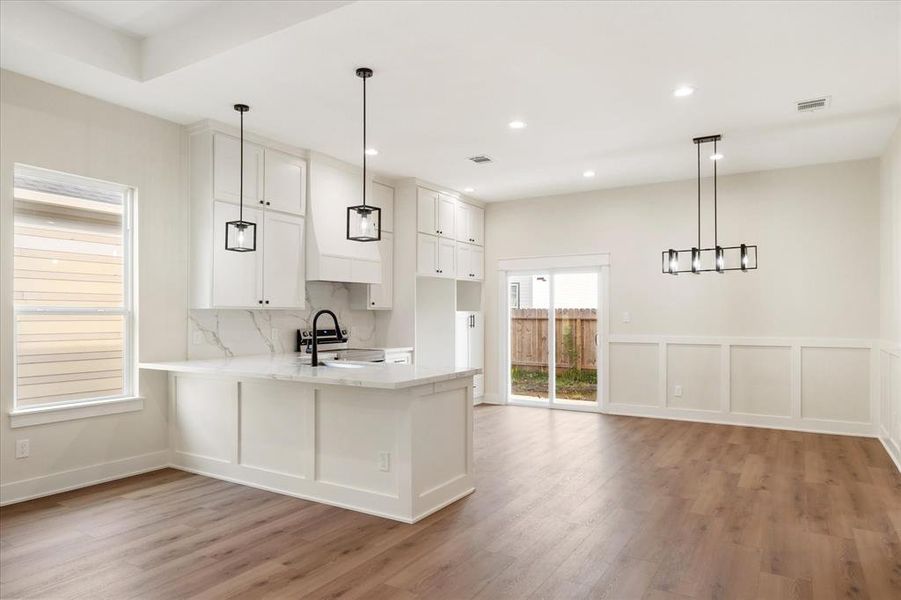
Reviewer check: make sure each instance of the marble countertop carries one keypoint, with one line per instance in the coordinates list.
(296, 367)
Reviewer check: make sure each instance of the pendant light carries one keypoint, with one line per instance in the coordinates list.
(241, 235)
(724, 258)
(364, 223)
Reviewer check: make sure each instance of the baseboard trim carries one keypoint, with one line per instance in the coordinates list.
(73, 479)
(746, 420)
(893, 452)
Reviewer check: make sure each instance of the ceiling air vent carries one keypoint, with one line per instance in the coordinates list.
(480, 159)
(814, 104)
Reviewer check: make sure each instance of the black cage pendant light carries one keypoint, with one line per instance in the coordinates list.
(364, 223)
(241, 235)
(717, 259)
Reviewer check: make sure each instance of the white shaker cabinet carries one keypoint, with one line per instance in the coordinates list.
(435, 257)
(284, 182)
(226, 166)
(469, 346)
(283, 261)
(237, 277)
(470, 262)
(470, 224)
(378, 296)
(436, 213)
(382, 196)
(275, 184)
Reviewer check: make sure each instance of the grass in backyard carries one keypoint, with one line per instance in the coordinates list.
(571, 384)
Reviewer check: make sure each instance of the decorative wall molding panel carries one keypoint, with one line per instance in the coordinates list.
(821, 385)
(889, 390)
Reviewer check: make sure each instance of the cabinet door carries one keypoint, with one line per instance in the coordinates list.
(237, 276)
(477, 342)
(447, 250)
(463, 219)
(447, 208)
(284, 182)
(283, 266)
(463, 259)
(461, 339)
(226, 163)
(427, 207)
(477, 225)
(477, 262)
(381, 295)
(427, 255)
(382, 196)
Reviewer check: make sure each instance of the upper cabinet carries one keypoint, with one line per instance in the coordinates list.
(436, 213)
(382, 196)
(470, 224)
(274, 200)
(226, 164)
(284, 182)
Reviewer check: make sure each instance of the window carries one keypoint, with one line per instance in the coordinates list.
(72, 289)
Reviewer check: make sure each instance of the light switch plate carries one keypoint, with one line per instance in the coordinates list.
(627, 318)
(677, 391)
(384, 461)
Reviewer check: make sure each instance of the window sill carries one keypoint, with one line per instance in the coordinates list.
(26, 417)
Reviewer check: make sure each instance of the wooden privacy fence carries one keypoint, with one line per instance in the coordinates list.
(575, 338)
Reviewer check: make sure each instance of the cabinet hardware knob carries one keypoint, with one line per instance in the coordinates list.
(267, 302)
(268, 203)
(260, 301)
(372, 303)
(261, 202)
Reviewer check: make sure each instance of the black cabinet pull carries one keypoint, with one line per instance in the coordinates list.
(268, 203)
(261, 202)
(372, 303)
(267, 302)
(260, 301)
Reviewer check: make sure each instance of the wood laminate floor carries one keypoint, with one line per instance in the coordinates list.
(568, 505)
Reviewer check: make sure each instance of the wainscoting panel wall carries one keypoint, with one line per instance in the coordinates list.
(693, 376)
(761, 380)
(636, 368)
(832, 379)
(889, 429)
(825, 385)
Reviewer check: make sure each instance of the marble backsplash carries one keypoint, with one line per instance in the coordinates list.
(218, 333)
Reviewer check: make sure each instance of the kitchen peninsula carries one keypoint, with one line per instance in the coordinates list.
(384, 439)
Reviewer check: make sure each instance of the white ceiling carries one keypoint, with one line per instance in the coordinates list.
(593, 81)
(137, 18)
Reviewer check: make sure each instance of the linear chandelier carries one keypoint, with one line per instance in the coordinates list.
(718, 259)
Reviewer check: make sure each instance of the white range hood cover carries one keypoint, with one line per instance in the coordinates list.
(333, 186)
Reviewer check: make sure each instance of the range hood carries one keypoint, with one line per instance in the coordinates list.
(330, 256)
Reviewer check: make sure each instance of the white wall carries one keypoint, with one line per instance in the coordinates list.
(50, 127)
(817, 228)
(890, 298)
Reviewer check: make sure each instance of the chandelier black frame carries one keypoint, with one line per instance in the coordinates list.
(364, 222)
(747, 253)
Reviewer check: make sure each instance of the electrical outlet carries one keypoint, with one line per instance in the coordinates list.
(23, 448)
(384, 461)
(627, 318)
(197, 337)
(677, 391)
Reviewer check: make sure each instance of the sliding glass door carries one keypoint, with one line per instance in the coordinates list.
(554, 338)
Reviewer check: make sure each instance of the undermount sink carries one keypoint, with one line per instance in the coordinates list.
(341, 364)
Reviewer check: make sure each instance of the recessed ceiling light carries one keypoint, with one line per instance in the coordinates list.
(516, 125)
(587, 174)
(371, 151)
(716, 156)
(469, 190)
(683, 91)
